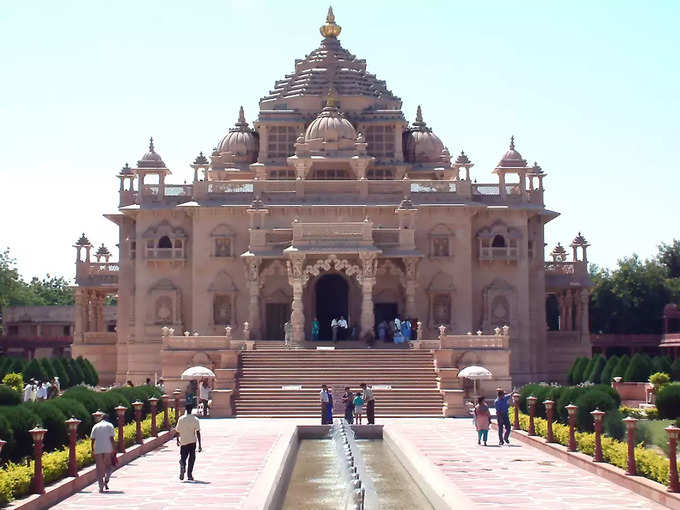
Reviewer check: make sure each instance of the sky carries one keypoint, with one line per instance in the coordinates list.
(589, 89)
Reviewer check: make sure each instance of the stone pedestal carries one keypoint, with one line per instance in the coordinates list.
(454, 403)
(448, 379)
(222, 404)
(225, 378)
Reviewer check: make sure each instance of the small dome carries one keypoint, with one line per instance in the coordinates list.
(103, 251)
(579, 240)
(151, 159)
(512, 158)
(330, 125)
(240, 141)
(201, 160)
(126, 170)
(463, 159)
(83, 241)
(421, 145)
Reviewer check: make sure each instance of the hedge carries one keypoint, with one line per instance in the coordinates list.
(15, 478)
(649, 463)
(668, 401)
(606, 375)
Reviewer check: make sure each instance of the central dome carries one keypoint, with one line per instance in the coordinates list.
(240, 141)
(421, 145)
(330, 125)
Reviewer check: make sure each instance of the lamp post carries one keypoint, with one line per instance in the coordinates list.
(515, 402)
(571, 409)
(549, 410)
(165, 398)
(153, 403)
(631, 468)
(597, 417)
(38, 483)
(137, 405)
(72, 425)
(531, 401)
(673, 484)
(120, 411)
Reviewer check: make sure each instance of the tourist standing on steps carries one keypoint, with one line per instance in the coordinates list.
(482, 420)
(323, 398)
(348, 400)
(287, 332)
(334, 329)
(329, 412)
(188, 431)
(342, 324)
(315, 330)
(369, 398)
(103, 448)
(502, 418)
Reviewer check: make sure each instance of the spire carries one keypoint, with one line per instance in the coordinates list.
(419, 122)
(330, 28)
(151, 144)
(241, 124)
(241, 115)
(512, 143)
(330, 99)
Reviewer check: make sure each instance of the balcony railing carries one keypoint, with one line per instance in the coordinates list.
(165, 253)
(386, 236)
(508, 253)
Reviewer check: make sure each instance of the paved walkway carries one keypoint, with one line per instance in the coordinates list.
(511, 477)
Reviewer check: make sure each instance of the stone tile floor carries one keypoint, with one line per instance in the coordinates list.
(236, 452)
(512, 477)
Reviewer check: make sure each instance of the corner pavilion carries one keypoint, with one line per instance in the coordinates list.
(330, 204)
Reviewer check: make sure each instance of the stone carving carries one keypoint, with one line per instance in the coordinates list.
(246, 331)
(252, 269)
(295, 265)
(332, 262)
(369, 264)
(390, 268)
(411, 264)
(227, 332)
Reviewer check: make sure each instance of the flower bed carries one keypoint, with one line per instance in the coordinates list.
(15, 478)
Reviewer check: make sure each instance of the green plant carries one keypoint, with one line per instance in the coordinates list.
(596, 369)
(668, 401)
(6, 434)
(621, 366)
(662, 364)
(53, 420)
(21, 420)
(675, 370)
(34, 370)
(14, 381)
(568, 396)
(572, 371)
(639, 369)
(46, 363)
(613, 425)
(652, 413)
(579, 369)
(73, 408)
(9, 396)
(606, 375)
(588, 402)
(64, 380)
(659, 380)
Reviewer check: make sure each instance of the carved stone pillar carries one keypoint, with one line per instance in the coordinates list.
(369, 265)
(569, 305)
(295, 278)
(81, 314)
(99, 303)
(91, 312)
(584, 323)
(411, 265)
(253, 279)
(561, 301)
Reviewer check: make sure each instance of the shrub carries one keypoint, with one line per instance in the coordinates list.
(73, 408)
(596, 369)
(668, 401)
(659, 380)
(572, 371)
(588, 402)
(527, 391)
(4, 361)
(46, 363)
(639, 369)
(21, 420)
(579, 367)
(59, 368)
(9, 396)
(75, 374)
(613, 425)
(605, 388)
(86, 397)
(53, 420)
(606, 375)
(568, 396)
(675, 370)
(661, 364)
(621, 366)
(14, 381)
(6, 434)
(91, 377)
(34, 370)
(587, 368)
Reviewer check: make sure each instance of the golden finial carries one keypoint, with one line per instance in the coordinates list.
(330, 99)
(330, 28)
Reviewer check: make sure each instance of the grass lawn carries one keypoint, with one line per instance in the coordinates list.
(653, 434)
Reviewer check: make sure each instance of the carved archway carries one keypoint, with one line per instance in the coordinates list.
(332, 262)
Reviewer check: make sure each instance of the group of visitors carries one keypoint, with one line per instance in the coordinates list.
(482, 418)
(397, 330)
(41, 390)
(198, 396)
(354, 404)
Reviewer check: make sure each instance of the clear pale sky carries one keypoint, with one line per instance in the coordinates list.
(590, 90)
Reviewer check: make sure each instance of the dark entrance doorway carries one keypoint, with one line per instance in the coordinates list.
(384, 312)
(276, 315)
(332, 294)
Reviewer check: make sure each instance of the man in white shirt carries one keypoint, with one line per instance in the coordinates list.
(342, 324)
(187, 432)
(370, 402)
(334, 329)
(323, 397)
(27, 392)
(204, 396)
(41, 392)
(103, 448)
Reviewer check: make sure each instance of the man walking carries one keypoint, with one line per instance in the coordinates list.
(323, 397)
(334, 329)
(342, 325)
(103, 448)
(187, 432)
(348, 400)
(370, 403)
(502, 418)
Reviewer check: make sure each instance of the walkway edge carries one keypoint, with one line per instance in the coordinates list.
(443, 495)
(68, 486)
(637, 484)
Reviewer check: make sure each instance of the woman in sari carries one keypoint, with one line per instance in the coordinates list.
(315, 329)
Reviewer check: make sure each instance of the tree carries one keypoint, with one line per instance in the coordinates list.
(606, 375)
(48, 367)
(59, 368)
(34, 370)
(621, 366)
(574, 367)
(597, 368)
(52, 290)
(675, 370)
(587, 368)
(661, 364)
(638, 370)
(669, 256)
(580, 366)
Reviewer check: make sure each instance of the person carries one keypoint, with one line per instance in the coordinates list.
(382, 331)
(34, 390)
(42, 391)
(502, 418)
(369, 398)
(161, 385)
(342, 324)
(482, 420)
(315, 330)
(406, 330)
(348, 400)
(190, 393)
(323, 398)
(334, 329)
(27, 392)
(397, 324)
(148, 381)
(188, 431)
(204, 394)
(129, 383)
(103, 448)
(329, 412)
(358, 407)
(57, 385)
(286, 334)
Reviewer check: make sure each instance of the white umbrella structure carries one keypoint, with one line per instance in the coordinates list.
(196, 373)
(475, 373)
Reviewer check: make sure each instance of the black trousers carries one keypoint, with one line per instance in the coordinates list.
(370, 411)
(190, 451)
(503, 420)
(349, 414)
(324, 413)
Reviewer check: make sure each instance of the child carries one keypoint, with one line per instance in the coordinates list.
(482, 420)
(358, 404)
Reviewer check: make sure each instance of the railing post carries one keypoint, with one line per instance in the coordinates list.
(138, 421)
(153, 403)
(673, 484)
(597, 417)
(120, 411)
(631, 468)
(549, 409)
(531, 401)
(571, 409)
(166, 420)
(515, 402)
(38, 483)
(72, 425)
(176, 394)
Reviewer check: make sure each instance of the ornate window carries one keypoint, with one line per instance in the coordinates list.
(326, 174)
(164, 242)
(222, 241)
(441, 238)
(441, 292)
(282, 174)
(222, 308)
(222, 247)
(164, 299)
(281, 141)
(224, 294)
(380, 173)
(499, 242)
(498, 298)
(440, 246)
(380, 140)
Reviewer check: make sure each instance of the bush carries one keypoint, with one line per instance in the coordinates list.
(639, 369)
(86, 397)
(596, 369)
(34, 370)
(675, 370)
(661, 364)
(7, 435)
(53, 420)
(605, 388)
(659, 380)
(668, 401)
(74, 409)
(613, 425)
(577, 372)
(588, 402)
(14, 381)
(572, 371)
(9, 396)
(606, 375)
(527, 391)
(59, 368)
(46, 363)
(21, 420)
(75, 374)
(621, 366)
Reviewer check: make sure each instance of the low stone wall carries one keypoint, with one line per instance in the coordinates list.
(633, 391)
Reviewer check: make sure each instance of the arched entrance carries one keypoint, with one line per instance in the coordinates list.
(332, 294)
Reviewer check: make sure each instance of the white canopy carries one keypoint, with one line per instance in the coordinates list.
(197, 373)
(475, 372)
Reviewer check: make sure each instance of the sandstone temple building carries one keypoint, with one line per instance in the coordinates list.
(331, 203)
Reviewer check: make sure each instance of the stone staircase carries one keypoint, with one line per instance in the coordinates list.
(286, 383)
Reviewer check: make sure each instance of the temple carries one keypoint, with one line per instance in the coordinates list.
(331, 204)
